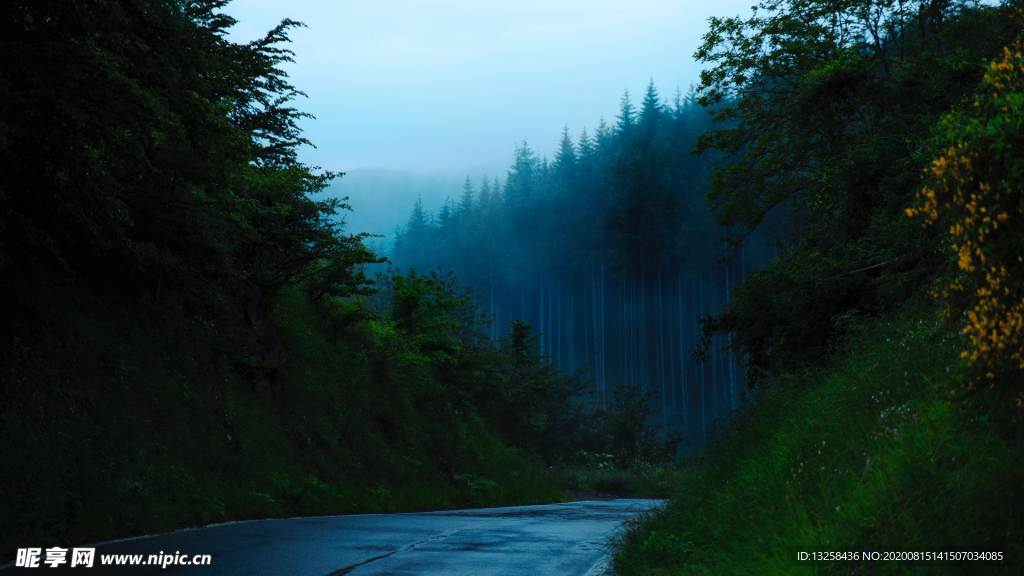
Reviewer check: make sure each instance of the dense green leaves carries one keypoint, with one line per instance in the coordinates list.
(833, 107)
(137, 138)
(974, 191)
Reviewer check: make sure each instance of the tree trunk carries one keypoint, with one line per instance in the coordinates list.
(593, 300)
(604, 351)
(661, 353)
(703, 380)
(572, 321)
(682, 362)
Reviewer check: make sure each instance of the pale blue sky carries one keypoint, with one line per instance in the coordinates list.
(452, 85)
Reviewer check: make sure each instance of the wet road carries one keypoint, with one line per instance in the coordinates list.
(556, 539)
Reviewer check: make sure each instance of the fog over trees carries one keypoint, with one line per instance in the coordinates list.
(380, 197)
(608, 249)
(192, 330)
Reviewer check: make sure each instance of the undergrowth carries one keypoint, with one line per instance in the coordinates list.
(873, 455)
(127, 416)
(640, 480)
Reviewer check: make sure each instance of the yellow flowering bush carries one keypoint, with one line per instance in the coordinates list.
(975, 186)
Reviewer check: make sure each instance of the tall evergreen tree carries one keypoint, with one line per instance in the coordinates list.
(651, 108)
(627, 113)
(603, 135)
(484, 198)
(609, 215)
(586, 146)
(466, 200)
(565, 159)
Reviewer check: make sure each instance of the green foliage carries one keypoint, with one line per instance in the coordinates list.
(868, 457)
(560, 414)
(123, 417)
(529, 402)
(639, 481)
(832, 108)
(148, 180)
(626, 424)
(137, 138)
(535, 405)
(866, 444)
(420, 307)
(975, 189)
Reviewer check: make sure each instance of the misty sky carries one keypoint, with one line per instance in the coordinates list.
(452, 85)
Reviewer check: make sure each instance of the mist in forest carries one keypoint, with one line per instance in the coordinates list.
(496, 141)
(380, 198)
(609, 249)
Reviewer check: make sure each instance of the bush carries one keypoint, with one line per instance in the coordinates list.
(870, 456)
(976, 188)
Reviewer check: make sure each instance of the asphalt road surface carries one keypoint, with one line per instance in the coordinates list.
(556, 539)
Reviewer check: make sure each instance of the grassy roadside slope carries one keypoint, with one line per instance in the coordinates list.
(126, 416)
(868, 456)
(911, 439)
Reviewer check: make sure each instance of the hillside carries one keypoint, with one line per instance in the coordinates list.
(126, 416)
(884, 350)
(185, 335)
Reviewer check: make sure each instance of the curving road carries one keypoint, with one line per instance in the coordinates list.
(556, 539)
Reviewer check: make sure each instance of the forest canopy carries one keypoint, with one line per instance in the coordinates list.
(138, 141)
(149, 161)
(760, 218)
(832, 109)
(608, 249)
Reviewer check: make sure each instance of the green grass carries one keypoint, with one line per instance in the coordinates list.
(116, 417)
(869, 456)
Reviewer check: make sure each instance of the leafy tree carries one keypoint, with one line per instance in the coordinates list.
(974, 191)
(632, 438)
(138, 139)
(829, 111)
(609, 225)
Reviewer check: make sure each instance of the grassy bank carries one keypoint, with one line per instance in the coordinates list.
(869, 456)
(124, 416)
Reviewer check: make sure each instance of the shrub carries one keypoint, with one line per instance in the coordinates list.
(975, 188)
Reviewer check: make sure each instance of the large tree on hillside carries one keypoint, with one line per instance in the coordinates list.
(829, 110)
(138, 143)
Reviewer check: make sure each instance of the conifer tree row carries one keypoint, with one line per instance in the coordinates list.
(608, 249)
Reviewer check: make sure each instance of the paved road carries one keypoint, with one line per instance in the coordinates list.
(556, 539)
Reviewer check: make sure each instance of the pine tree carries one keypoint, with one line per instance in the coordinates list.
(412, 241)
(522, 176)
(565, 159)
(586, 146)
(650, 112)
(627, 114)
(446, 216)
(466, 201)
(603, 135)
(677, 104)
(484, 198)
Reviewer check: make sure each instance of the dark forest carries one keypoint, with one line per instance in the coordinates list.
(788, 301)
(609, 251)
